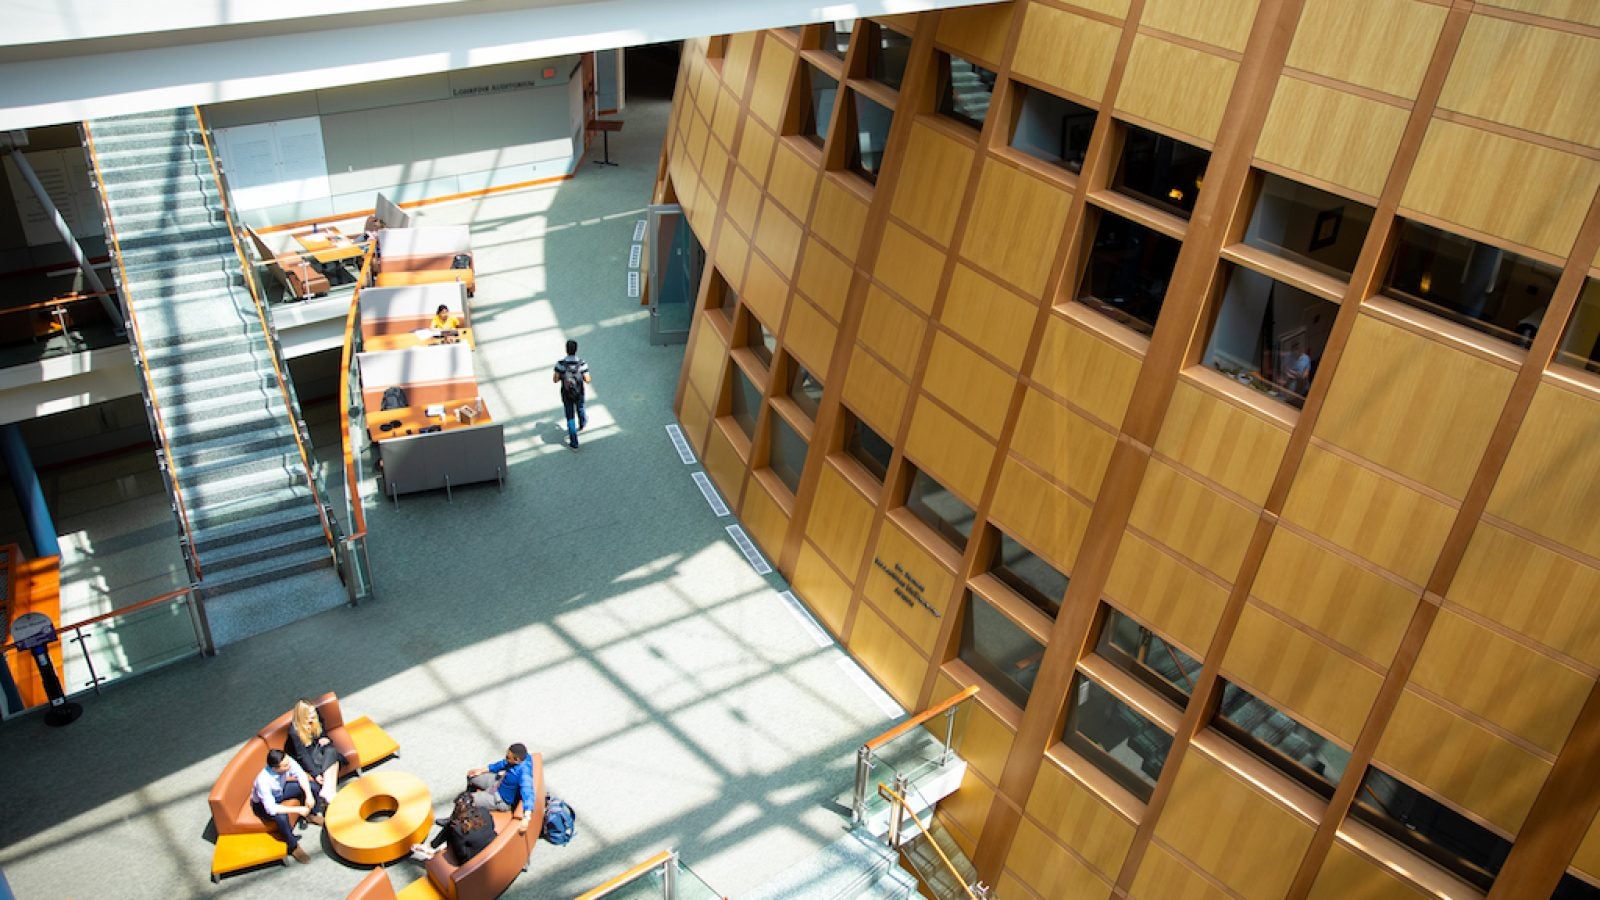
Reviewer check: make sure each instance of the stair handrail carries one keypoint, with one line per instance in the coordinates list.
(358, 518)
(666, 860)
(904, 809)
(191, 556)
(290, 407)
(947, 707)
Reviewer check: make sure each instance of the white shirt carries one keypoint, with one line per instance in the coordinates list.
(269, 785)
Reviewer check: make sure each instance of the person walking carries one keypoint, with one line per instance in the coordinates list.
(572, 373)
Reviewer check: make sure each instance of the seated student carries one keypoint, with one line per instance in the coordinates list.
(281, 780)
(467, 831)
(443, 320)
(502, 783)
(311, 747)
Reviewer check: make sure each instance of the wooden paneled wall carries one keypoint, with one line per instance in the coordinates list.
(1408, 565)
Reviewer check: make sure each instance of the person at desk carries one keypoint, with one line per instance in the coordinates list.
(443, 320)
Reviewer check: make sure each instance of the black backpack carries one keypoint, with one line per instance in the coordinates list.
(394, 398)
(572, 380)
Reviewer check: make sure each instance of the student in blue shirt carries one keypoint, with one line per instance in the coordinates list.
(500, 784)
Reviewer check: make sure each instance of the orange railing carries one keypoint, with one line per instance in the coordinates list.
(289, 405)
(189, 552)
(352, 323)
(658, 861)
(903, 810)
(945, 707)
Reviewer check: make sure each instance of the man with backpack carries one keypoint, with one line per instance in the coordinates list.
(572, 373)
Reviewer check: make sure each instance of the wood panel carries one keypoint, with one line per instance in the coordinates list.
(1461, 761)
(1384, 45)
(1066, 51)
(1078, 818)
(1193, 519)
(1582, 11)
(893, 662)
(825, 592)
(892, 329)
(1523, 75)
(824, 278)
(839, 218)
(724, 464)
(1370, 515)
(794, 179)
(1223, 24)
(716, 169)
(1345, 873)
(1085, 370)
(810, 337)
(1179, 602)
(1414, 405)
(732, 255)
(1068, 446)
(1342, 139)
(1014, 226)
(923, 197)
(725, 122)
(778, 236)
(840, 520)
(1521, 690)
(1546, 486)
(909, 266)
(1162, 876)
(1306, 679)
(1352, 605)
(764, 518)
(772, 81)
(1531, 589)
(765, 293)
(1533, 195)
(946, 448)
(755, 149)
(968, 383)
(977, 33)
(706, 361)
(967, 807)
(1050, 520)
(1257, 854)
(736, 59)
(1235, 447)
(743, 203)
(918, 624)
(875, 393)
(982, 738)
(1180, 87)
(694, 416)
(1048, 869)
(1587, 859)
(993, 317)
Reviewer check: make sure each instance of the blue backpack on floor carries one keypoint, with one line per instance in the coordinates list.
(559, 821)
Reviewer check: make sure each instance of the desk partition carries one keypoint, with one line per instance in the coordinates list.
(460, 452)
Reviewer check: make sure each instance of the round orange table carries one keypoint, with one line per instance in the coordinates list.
(358, 837)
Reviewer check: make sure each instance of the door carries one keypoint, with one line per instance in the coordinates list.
(673, 275)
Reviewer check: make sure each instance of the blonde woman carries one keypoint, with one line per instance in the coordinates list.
(311, 747)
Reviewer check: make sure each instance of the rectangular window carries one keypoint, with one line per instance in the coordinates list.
(1580, 345)
(1119, 741)
(822, 88)
(1036, 580)
(1314, 228)
(872, 121)
(1443, 835)
(836, 37)
(1160, 171)
(1478, 285)
(759, 339)
(887, 52)
(1052, 129)
(1289, 746)
(804, 389)
(940, 510)
(721, 299)
(865, 447)
(966, 89)
(996, 648)
(1127, 273)
(1148, 657)
(1269, 335)
(788, 456)
(1574, 887)
(746, 401)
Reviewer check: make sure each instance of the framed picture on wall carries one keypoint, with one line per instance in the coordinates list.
(1325, 229)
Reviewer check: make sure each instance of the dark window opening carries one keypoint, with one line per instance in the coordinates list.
(966, 90)
(1314, 228)
(1052, 129)
(1117, 740)
(872, 121)
(999, 651)
(1443, 835)
(940, 510)
(760, 341)
(1040, 583)
(746, 405)
(1269, 335)
(1478, 285)
(836, 37)
(865, 447)
(887, 52)
(822, 89)
(805, 390)
(1128, 270)
(1148, 657)
(1161, 171)
(1580, 345)
(788, 455)
(1292, 748)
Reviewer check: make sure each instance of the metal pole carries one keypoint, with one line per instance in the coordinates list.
(858, 805)
(897, 811)
(94, 679)
(669, 877)
(67, 237)
(949, 734)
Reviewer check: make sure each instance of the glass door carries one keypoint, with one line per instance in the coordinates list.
(673, 276)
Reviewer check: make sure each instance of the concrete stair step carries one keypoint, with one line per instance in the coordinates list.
(165, 120)
(277, 568)
(157, 272)
(125, 207)
(195, 453)
(213, 240)
(115, 155)
(139, 182)
(187, 283)
(184, 368)
(219, 560)
(169, 349)
(166, 220)
(221, 484)
(244, 530)
(246, 509)
(214, 471)
(290, 594)
(146, 138)
(178, 396)
(218, 414)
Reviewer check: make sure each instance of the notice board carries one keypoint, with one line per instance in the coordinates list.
(274, 163)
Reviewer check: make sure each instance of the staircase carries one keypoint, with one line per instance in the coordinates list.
(971, 89)
(220, 417)
(936, 879)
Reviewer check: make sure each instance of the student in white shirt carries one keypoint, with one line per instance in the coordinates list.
(281, 780)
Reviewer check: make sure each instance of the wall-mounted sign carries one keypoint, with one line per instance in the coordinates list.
(906, 586)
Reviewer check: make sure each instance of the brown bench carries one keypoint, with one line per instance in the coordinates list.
(491, 872)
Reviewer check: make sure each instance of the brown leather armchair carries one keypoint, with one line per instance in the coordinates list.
(488, 874)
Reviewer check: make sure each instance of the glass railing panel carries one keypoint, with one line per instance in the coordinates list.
(669, 879)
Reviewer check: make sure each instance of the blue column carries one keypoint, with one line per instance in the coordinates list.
(30, 496)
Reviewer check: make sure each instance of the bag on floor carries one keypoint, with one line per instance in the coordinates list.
(559, 821)
(393, 398)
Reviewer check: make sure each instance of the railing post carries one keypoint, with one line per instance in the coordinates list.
(897, 810)
(94, 679)
(858, 805)
(197, 618)
(949, 733)
(669, 876)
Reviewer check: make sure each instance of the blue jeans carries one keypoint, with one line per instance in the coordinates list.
(574, 422)
(291, 791)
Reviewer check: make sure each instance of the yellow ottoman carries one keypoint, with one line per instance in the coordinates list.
(371, 741)
(244, 851)
(421, 889)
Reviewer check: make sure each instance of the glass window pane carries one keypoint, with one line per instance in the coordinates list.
(819, 106)
(866, 448)
(999, 651)
(1269, 335)
(722, 300)
(1129, 267)
(761, 341)
(788, 457)
(1580, 346)
(1311, 227)
(805, 390)
(886, 56)
(1119, 741)
(836, 37)
(1143, 654)
(1161, 171)
(1483, 287)
(940, 510)
(968, 89)
(872, 121)
(746, 402)
(1036, 580)
(1300, 752)
(1052, 129)
(1433, 829)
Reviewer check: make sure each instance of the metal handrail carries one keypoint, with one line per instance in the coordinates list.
(667, 860)
(266, 329)
(902, 808)
(358, 518)
(190, 555)
(947, 706)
